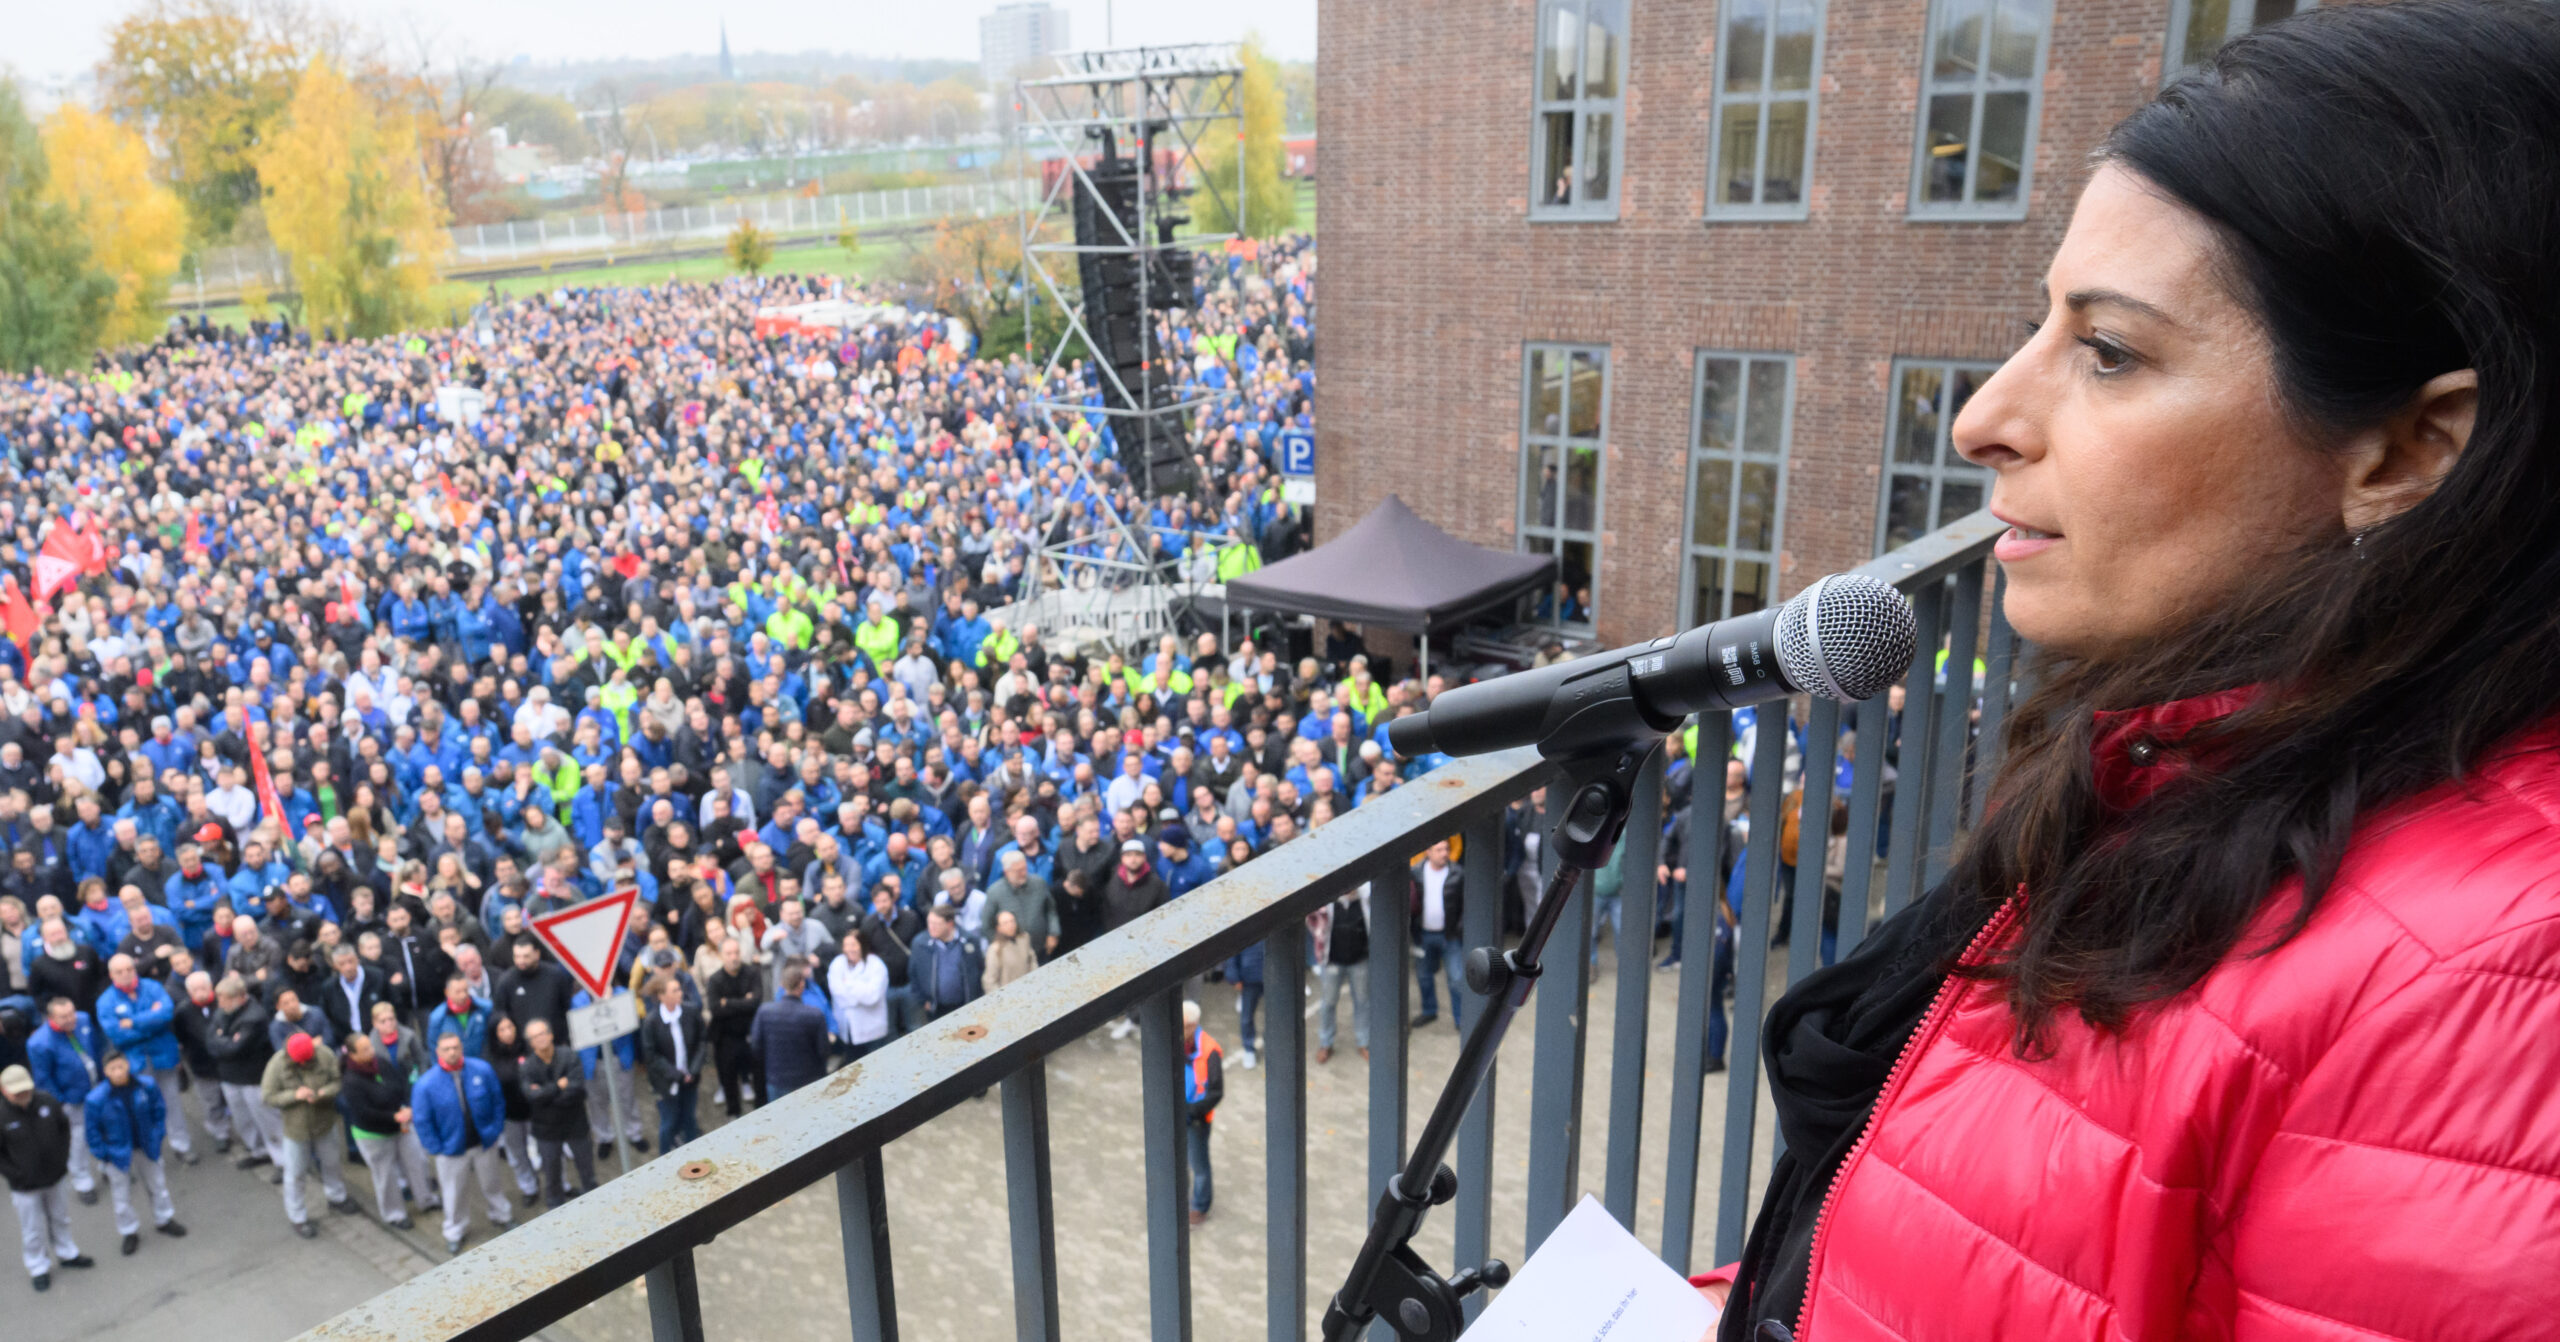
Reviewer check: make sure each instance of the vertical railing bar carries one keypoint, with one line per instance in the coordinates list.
(1703, 854)
(1953, 724)
(862, 1210)
(1750, 977)
(1284, 1092)
(1563, 1002)
(1866, 797)
(1911, 752)
(1480, 923)
(1031, 1206)
(1638, 853)
(1390, 969)
(1161, 1055)
(1998, 675)
(675, 1300)
(1813, 838)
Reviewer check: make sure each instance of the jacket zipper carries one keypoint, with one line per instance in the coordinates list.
(1930, 1024)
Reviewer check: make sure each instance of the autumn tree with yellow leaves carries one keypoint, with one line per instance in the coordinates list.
(101, 174)
(348, 204)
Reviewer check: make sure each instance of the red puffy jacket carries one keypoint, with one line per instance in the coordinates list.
(2355, 1137)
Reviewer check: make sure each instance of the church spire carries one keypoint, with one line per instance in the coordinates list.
(728, 70)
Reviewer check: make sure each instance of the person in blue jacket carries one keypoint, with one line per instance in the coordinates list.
(193, 894)
(460, 1014)
(140, 1020)
(459, 1114)
(64, 1054)
(124, 1122)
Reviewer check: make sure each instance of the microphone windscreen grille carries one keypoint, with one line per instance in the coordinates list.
(1852, 633)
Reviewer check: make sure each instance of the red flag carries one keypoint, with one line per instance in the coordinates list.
(18, 616)
(59, 563)
(96, 563)
(268, 799)
(194, 543)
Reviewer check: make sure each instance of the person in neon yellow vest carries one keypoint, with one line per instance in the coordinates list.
(877, 637)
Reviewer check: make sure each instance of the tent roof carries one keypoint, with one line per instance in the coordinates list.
(1395, 570)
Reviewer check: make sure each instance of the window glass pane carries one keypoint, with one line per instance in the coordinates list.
(1711, 503)
(1958, 40)
(1583, 405)
(2207, 21)
(1791, 60)
(2004, 147)
(2015, 34)
(1539, 607)
(1718, 390)
(1577, 567)
(1706, 584)
(1784, 183)
(2268, 11)
(1950, 122)
(1906, 511)
(1738, 153)
(1756, 518)
(1563, 32)
(1960, 390)
(1956, 498)
(1916, 419)
(1764, 429)
(1546, 392)
(1538, 485)
(1750, 588)
(1581, 488)
(1598, 175)
(1555, 183)
(1600, 50)
(1746, 38)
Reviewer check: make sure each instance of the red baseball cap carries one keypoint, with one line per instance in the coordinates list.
(211, 833)
(300, 1048)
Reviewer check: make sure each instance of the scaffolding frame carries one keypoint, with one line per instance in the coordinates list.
(1135, 95)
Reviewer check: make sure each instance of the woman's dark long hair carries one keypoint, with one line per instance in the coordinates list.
(2385, 181)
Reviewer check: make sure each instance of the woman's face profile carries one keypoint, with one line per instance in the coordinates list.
(2146, 466)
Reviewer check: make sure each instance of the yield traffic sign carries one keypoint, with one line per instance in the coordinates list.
(588, 937)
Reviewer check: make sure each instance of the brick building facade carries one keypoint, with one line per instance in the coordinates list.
(1455, 144)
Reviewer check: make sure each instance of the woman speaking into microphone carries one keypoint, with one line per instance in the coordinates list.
(2238, 1016)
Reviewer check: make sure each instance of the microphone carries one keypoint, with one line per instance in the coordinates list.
(1846, 637)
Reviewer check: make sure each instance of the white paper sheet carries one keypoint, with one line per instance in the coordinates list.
(1593, 1282)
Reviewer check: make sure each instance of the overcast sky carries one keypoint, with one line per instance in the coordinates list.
(46, 40)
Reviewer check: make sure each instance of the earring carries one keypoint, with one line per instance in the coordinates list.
(2356, 544)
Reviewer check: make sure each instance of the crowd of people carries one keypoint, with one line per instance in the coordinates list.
(358, 674)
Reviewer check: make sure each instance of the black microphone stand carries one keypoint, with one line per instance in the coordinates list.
(1388, 1280)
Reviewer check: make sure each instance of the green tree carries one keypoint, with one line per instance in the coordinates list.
(1270, 205)
(54, 300)
(750, 248)
(348, 203)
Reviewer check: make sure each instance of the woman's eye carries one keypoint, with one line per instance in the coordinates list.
(2111, 357)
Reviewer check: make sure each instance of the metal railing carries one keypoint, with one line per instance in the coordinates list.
(647, 1224)
(230, 270)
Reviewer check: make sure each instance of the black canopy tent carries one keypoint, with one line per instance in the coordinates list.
(1395, 570)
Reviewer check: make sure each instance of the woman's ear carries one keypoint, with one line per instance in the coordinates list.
(2395, 466)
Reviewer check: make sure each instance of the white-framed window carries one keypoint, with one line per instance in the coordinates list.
(1578, 143)
(1981, 83)
(1740, 418)
(1926, 484)
(1760, 150)
(2198, 28)
(1564, 425)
